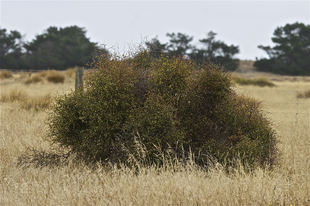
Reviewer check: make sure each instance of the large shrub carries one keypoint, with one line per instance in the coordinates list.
(166, 104)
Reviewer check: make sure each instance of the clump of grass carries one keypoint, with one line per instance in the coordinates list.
(304, 95)
(25, 101)
(70, 72)
(36, 103)
(43, 158)
(14, 95)
(43, 73)
(55, 77)
(5, 74)
(262, 82)
(36, 78)
(25, 74)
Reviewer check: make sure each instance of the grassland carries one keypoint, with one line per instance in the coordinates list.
(34, 173)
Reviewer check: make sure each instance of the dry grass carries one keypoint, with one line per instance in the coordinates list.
(305, 94)
(36, 103)
(261, 82)
(55, 77)
(246, 64)
(13, 95)
(43, 176)
(31, 97)
(23, 75)
(36, 78)
(70, 72)
(5, 74)
(20, 97)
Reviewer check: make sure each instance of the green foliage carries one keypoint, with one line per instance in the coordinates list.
(55, 48)
(10, 49)
(217, 52)
(179, 44)
(171, 104)
(213, 51)
(220, 123)
(291, 54)
(262, 82)
(89, 122)
(60, 48)
(155, 48)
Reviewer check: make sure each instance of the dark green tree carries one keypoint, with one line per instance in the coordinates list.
(216, 52)
(60, 48)
(11, 46)
(155, 48)
(179, 44)
(291, 54)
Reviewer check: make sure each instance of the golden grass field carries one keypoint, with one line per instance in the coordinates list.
(34, 173)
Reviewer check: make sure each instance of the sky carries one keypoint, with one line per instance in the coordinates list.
(122, 24)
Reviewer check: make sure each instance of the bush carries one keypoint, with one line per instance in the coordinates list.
(55, 77)
(172, 104)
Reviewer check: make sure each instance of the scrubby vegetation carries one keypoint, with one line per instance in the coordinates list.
(262, 82)
(168, 105)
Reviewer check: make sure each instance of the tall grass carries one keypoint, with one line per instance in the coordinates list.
(14, 95)
(52, 76)
(36, 78)
(70, 72)
(55, 77)
(33, 173)
(25, 101)
(5, 74)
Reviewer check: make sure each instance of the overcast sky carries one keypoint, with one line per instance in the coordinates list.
(243, 23)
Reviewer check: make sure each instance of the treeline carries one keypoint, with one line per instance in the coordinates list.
(291, 53)
(211, 50)
(61, 48)
(56, 48)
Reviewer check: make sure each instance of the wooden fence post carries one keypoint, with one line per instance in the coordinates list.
(79, 78)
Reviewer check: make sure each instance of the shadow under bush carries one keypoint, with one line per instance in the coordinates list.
(172, 104)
